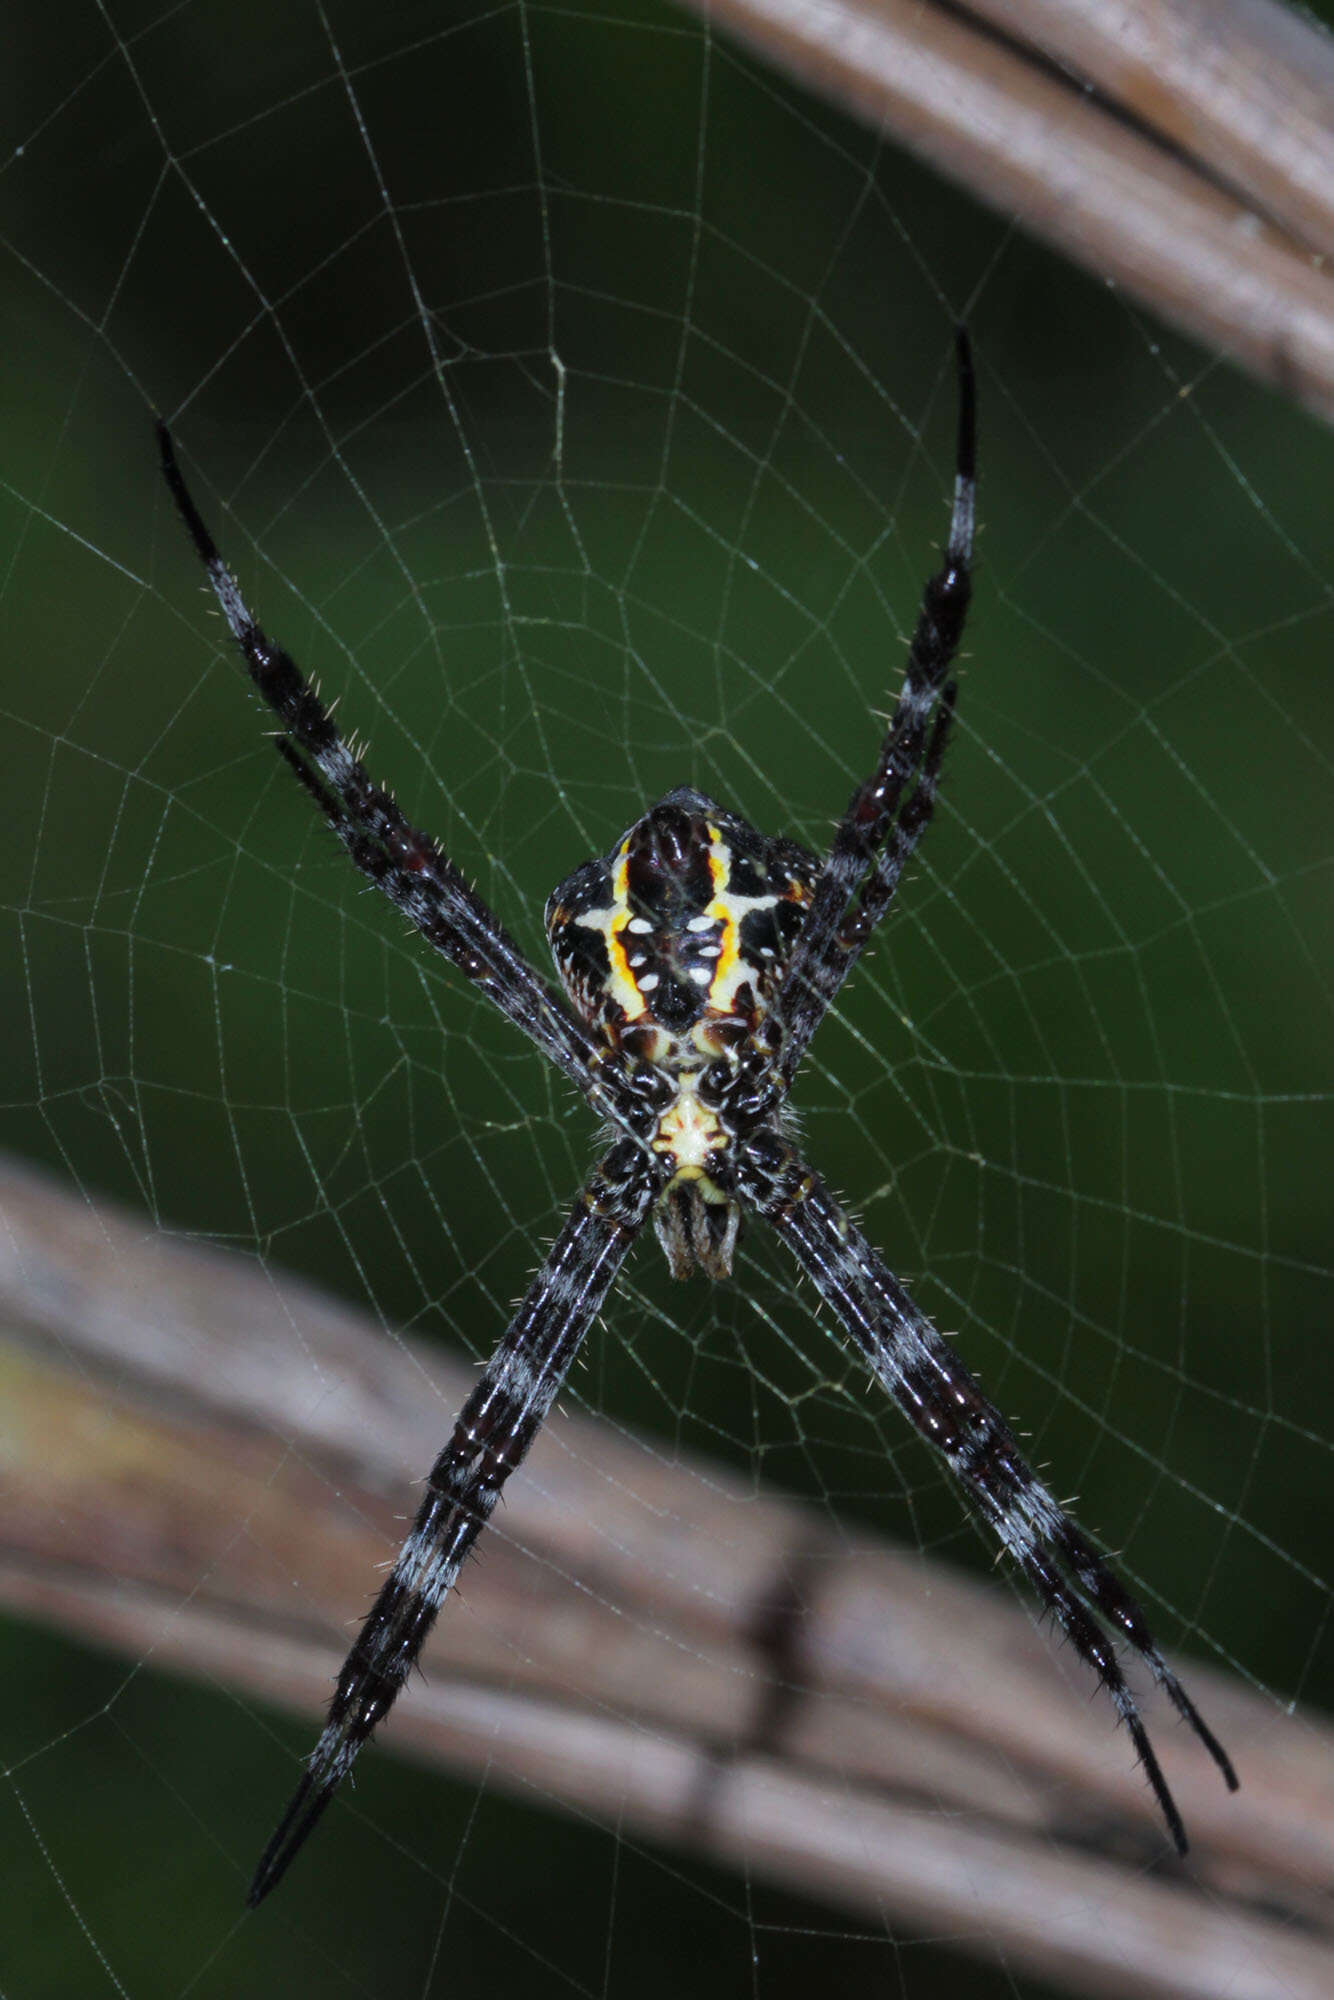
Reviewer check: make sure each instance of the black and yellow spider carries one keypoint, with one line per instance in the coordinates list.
(700, 957)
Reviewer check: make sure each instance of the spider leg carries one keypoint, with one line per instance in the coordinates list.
(403, 862)
(942, 1401)
(491, 1437)
(840, 918)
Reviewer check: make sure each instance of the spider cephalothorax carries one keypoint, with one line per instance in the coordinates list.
(700, 958)
(672, 947)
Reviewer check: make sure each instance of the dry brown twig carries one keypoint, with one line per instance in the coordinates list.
(1180, 149)
(728, 1673)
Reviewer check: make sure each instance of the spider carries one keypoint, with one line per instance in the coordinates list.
(698, 957)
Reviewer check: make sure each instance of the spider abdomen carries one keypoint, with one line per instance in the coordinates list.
(673, 944)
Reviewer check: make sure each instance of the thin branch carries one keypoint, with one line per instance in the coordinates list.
(1243, 88)
(645, 1643)
(1181, 149)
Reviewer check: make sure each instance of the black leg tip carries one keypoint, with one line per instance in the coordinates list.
(294, 1829)
(966, 457)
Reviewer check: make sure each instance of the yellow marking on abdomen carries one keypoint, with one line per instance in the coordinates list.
(729, 910)
(621, 980)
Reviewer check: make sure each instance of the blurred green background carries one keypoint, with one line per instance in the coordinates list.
(578, 401)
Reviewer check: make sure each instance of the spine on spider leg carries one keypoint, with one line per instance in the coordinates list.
(944, 1404)
(494, 1431)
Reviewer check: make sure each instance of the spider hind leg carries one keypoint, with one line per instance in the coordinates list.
(494, 1430)
(945, 1406)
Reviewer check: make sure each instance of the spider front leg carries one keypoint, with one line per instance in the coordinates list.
(945, 1405)
(494, 1431)
(404, 863)
(858, 879)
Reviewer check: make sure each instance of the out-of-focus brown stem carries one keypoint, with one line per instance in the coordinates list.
(206, 1460)
(1182, 150)
(1244, 88)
